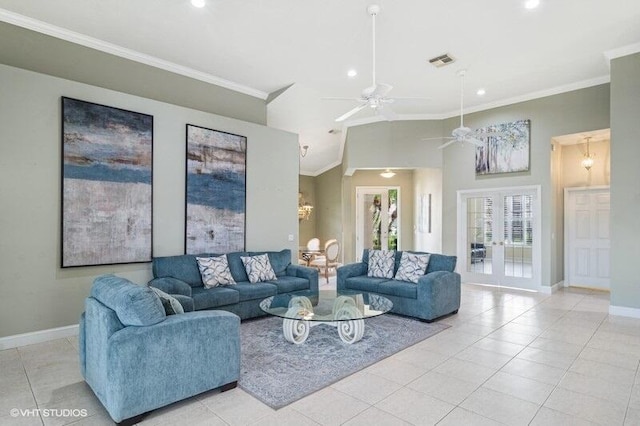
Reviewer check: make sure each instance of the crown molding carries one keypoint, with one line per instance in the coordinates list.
(113, 49)
(629, 49)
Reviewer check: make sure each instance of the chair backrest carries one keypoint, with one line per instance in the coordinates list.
(313, 244)
(332, 250)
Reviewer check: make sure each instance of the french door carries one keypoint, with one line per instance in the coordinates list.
(499, 237)
(377, 218)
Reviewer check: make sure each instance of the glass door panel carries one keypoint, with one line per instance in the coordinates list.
(377, 220)
(479, 234)
(518, 236)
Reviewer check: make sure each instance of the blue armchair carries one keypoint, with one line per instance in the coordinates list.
(136, 359)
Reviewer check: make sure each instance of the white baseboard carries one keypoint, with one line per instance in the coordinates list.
(17, 340)
(623, 311)
(551, 289)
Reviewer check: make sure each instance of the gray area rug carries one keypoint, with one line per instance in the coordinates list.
(278, 372)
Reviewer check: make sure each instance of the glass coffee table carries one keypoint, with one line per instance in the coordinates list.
(345, 310)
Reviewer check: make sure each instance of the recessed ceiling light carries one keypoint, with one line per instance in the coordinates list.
(481, 92)
(352, 73)
(532, 4)
(198, 3)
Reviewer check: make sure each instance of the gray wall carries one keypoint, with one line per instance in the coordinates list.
(329, 200)
(37, 293)
(571, 112)
(53, 56)
(396, 144)
(625, 181)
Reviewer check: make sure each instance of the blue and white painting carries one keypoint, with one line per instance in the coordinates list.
(506, 153)
(216, 191)
(106, 184)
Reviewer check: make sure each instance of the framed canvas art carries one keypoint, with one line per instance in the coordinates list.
(215, 191)
(107, 169)
(506, 153)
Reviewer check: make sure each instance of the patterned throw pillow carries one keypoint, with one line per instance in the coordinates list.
(258, 268)
(215, 271)
(381, 263)
(412, 266)
(169, 303)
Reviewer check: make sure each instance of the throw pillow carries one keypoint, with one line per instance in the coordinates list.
(215, 271)
(381, 263)
(169, 303)
(258, 268)
(412, 266)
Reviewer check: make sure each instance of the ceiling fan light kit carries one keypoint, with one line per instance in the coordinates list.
(388, 174)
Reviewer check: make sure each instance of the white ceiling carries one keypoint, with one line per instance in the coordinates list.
(260, 46)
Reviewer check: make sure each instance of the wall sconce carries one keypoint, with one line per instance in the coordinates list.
(587, 161)
(303, 150)
(304, 208)
(388, 174)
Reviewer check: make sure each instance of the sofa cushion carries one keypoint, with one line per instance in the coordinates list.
(215, 271)
(287, 284)
(441, 262)
(279, 261)
(184, 268)
(381, 263)
(399, 288)
(208, 298)
(169, 303)
(258, 268)
(236, 266)
(364, 283)
(133, 304)
(253, 291)
(412, 266)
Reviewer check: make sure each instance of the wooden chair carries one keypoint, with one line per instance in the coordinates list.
(329, 259)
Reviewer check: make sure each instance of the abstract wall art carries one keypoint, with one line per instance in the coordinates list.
(506, 153)
(215, 191)
(107, 156)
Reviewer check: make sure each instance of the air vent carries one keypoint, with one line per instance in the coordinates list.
(442, 60)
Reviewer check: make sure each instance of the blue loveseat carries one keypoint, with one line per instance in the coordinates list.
(136, 359)
(436, 294)
(180, 277)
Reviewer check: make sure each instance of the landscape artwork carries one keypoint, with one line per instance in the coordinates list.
(106, 185)
(215, 191)
(506, 153)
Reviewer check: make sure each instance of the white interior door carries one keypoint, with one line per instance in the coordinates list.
(587, 237)
(377, 219)
(499, 237)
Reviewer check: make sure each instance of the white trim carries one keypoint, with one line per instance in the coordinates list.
(322, 170)
(18, 340)
(627, 50)
(123, 52)
(624, 311)
(551, 289)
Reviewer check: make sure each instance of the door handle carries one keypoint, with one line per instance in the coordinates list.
(493, 243)
(501, 243)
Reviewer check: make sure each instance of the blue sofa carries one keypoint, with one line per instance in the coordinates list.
(180, 277)
(436, 294)
(136, 359)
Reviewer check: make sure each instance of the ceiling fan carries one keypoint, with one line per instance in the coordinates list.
(464, 134)
(374, 96)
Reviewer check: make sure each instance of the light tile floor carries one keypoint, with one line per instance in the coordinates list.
(510, 357)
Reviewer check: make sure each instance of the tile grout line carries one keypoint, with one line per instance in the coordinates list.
(30, 385)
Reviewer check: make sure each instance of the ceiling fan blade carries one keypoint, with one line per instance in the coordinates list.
(410, 98)
(341, 99)
(387, 113)
(351, 112)
(446, 144)
(439, 138)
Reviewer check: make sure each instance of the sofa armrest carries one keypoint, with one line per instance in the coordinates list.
(348, 271)
(305, 272)
(184, 355)
(171, 285)
(439, 293)
(185, 301)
